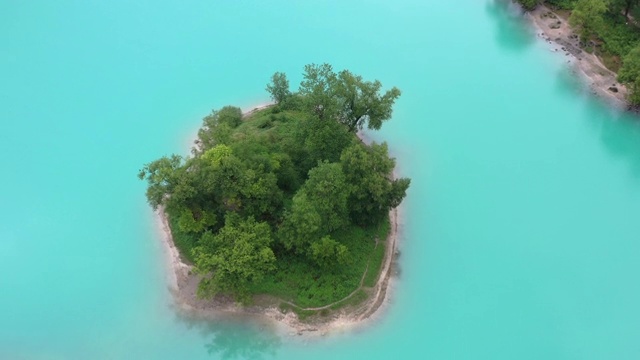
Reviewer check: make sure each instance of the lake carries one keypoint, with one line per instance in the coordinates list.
(518, 237)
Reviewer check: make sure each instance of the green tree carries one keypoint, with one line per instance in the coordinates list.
(346, 97)
(261, 197)
(317, 89)
(629, 74)
(163, 176)
(213, 127)
(279, 87)
(237, 256)
(368, 171)
(528, 4)
(323, 141)
(327, 189)
(301, 225)
(586, 17)
(195, 221)
(623, 6)
(360, 102)
(327, 252)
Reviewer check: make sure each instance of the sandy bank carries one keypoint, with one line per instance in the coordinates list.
(556, 31)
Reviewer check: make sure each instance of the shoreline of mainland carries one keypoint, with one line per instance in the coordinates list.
(555, 30)
(183, 285)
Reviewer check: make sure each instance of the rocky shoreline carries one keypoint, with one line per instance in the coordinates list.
(556, 31)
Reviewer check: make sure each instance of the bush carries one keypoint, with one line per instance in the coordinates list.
(562, 4)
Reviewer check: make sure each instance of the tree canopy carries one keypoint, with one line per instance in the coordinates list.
(586, 17)
(346, 97)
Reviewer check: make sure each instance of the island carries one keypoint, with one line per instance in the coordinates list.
(285, 209)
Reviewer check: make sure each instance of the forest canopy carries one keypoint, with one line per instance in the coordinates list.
(286, 200)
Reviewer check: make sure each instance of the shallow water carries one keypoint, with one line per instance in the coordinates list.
(520, 236)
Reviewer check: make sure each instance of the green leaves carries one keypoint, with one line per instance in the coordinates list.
(587, 17)
(630, 74)
(368, 170)
(278, 88)
(301, 225)
(360, 102)
(327, 189)
(328, 252)
(216, 127)
(162, 176)
(346, 97)
(234, 258)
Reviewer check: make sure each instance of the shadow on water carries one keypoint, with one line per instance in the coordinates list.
(619, 133)
(512, 31)
(618, 130)
(230, 339)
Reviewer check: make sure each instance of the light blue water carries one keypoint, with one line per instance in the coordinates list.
(521, 233)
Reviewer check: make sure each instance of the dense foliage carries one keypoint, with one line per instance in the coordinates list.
(287, 200)
(610, 29)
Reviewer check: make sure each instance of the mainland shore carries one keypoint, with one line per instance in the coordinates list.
(556, 31)
(183, 285)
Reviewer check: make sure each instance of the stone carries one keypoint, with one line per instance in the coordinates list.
(613, 89)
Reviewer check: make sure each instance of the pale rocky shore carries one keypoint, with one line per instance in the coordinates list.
(556, 31)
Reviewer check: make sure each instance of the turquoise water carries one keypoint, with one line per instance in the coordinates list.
(520, 230)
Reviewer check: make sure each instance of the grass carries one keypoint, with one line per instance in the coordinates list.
(306, 285)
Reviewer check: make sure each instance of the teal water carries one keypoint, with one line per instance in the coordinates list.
(520, 236)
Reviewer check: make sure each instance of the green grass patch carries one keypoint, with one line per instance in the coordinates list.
(299, 281)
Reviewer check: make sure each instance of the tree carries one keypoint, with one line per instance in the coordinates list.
(162, 176)
(346, 97)
(323, 141)
(261, 197)
(195, 221)
(216, 126)
(629, 74)
(327, 190)
(360, 102)
(327, 252)
(317, 89)
(279, 87)
(623, 6)
(301, 225)
(528, 4)
(234, 258)
(586, 17)
(368, 171)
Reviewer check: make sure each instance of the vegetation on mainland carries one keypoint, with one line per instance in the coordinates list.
(287, 200)
(608, 28)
